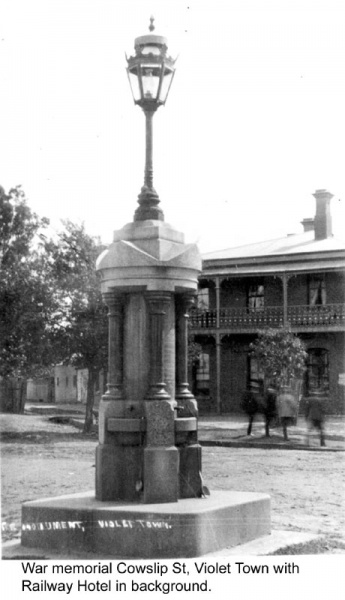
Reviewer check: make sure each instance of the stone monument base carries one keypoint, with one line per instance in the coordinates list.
(188, 528)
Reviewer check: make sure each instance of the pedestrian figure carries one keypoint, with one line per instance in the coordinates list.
(269, 408)
(286, 409)
(315, 417)
(250, 406)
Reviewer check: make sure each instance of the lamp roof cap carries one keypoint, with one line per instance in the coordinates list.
(150, 38)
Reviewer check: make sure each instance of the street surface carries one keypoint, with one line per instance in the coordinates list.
(41, 458)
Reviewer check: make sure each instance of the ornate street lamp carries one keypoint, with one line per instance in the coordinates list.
(150, 73)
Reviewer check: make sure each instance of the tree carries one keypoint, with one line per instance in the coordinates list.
(81, 337)
(51, 308)
(280, 355)
(26, 292)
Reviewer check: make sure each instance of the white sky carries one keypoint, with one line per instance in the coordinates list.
(254, 124)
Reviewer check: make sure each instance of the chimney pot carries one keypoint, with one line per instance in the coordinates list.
(308, 224)
(323, 219)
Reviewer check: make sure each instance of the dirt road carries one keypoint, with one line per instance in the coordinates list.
(43, 459)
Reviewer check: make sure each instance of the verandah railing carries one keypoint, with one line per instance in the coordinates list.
(320, 314)
(269, 316)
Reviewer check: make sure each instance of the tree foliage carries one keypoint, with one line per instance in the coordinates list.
(280, 355)
(51, 309)
(26, 294)
(81, 336)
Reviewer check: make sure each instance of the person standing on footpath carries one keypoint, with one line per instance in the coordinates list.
(315, 416)
(286, 409)
(269, 408)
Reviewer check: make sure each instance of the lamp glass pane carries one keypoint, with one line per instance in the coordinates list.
(150, 74)
(134, 82)
(167, 78)
(150, 50)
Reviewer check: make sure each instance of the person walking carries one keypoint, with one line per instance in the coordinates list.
(315, 416)
(250, 406)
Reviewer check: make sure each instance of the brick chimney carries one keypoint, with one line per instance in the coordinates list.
(323, 219)
(308, 224)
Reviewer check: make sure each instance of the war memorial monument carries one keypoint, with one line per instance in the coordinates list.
(149, 500)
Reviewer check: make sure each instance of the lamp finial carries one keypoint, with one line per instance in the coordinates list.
(151, 27)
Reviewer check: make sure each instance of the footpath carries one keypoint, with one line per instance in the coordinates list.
(225, 430)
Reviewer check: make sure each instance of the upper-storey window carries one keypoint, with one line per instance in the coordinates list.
(317, 291)
(256, 297)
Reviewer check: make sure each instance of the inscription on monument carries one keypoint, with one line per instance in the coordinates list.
(102, 524)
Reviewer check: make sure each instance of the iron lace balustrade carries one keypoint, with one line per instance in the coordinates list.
(269, 316)
(203, 319)
(320, 314)
(243, 318)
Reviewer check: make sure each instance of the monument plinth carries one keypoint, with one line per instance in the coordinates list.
(150, 500)
(79, 524)
(148, 426)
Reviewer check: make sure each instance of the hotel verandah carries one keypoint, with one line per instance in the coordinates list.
(296, 282)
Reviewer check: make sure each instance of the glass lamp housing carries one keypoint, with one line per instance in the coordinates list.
(150, 72)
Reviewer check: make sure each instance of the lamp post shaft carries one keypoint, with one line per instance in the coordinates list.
(148, 198)
(148, 181)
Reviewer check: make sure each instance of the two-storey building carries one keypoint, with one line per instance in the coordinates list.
(295, 282)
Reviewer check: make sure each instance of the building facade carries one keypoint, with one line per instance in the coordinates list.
(65, 385)
(297, 282)
(41, 389)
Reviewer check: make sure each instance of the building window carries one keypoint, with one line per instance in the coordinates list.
(317, 291)
(203, 374)
(57, 382)
(256, 375)
(256, 299)
(203, 300)
(317, 370)
(74, 381)
(66, 381)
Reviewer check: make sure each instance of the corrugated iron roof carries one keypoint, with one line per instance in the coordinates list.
(291, 244)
